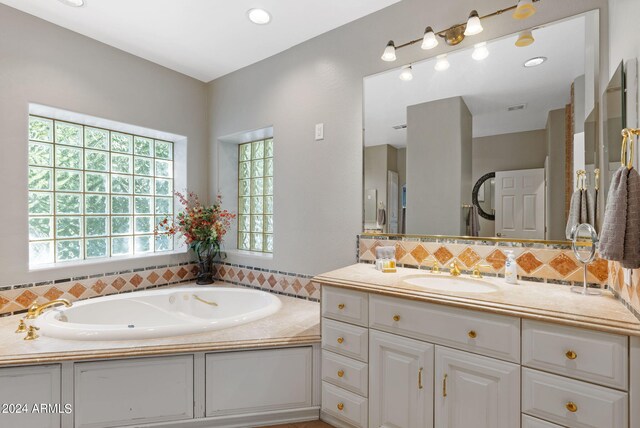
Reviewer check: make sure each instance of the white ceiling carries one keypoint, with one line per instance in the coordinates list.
(204, 39)
(488, 87)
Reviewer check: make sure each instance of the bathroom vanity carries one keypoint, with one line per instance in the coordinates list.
(261, 373)
(531, 355)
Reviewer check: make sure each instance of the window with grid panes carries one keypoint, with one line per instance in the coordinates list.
(255, 196)
(95, 193)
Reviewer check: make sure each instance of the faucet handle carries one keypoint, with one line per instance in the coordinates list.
(435, 268)
(31, 333)
(476, 270)
(22, 327)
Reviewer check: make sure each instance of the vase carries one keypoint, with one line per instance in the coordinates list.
(206, 257)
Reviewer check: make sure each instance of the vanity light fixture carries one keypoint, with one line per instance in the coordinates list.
(407, 73)
(73, 3)
(389, 52)
(474, 26)
(525, 39)
(524, 9)
(429, 40)
(480, 51)
(456, 33)
(442, 63)
(259, 16)
(534, 62)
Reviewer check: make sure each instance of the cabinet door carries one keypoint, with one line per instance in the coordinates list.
(401, 382)
(475, 391)
(33, 385)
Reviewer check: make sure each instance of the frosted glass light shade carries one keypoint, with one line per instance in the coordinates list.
(525, 39)
(473, 24)
(406, 74)
(429, 41)
(480, 51)
(524, 9)
(442, 63)
(389, 52)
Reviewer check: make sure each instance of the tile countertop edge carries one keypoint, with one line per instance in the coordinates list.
(102, 354)
(573, 320)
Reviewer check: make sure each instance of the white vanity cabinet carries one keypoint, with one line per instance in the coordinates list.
(22, 388)
(432, 365)
(475, 391)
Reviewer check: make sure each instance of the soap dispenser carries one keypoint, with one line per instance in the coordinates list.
(511, 268)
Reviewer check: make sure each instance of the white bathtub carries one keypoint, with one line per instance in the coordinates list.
(158, 313)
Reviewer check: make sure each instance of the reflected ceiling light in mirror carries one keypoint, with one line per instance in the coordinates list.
(474, 26)
(480, 51)
(407, 73)
(389, 52)
(429, 40)
(442, 63)
(74, 3)
(524, 9)
(534, 62)
(525, 39)
(259, 16)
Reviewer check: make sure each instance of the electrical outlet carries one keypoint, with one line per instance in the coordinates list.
(319, 131)
(628, 276)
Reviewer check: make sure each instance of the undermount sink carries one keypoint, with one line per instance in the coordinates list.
(450, 283)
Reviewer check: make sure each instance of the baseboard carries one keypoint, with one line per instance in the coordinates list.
(332, 420)
(244, 420)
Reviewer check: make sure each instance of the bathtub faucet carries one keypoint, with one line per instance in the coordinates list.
(35, 310)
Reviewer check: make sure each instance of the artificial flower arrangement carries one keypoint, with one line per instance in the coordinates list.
(203, 228)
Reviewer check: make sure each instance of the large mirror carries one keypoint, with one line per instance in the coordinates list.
(486, 146)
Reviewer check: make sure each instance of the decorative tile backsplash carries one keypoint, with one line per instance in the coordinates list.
(291, 284)
(629, 293)
(18, 298)
(537, 262)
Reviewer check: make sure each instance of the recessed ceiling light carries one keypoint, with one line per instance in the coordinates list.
(259, 16)
(534, 62)
(74, 3)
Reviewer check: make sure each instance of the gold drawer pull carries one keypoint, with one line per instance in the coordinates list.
(340, 406)
(571, 406)
(444, 386)
(341, 306)
(396, 318)
(571, 355)
(472, 334)
(340, 339)
(340, 373)
(420, 378)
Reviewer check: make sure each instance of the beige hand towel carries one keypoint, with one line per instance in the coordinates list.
(611, 245)
(631, 258)
(574, 213)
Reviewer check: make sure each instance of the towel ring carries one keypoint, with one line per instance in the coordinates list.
(627, 139)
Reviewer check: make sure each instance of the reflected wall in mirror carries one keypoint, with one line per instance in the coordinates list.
(528, 128)
(614, 122)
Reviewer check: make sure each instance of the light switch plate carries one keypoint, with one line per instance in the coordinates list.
(319, 131)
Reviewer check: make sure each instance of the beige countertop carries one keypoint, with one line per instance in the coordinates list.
(531, 300)
(296, 323)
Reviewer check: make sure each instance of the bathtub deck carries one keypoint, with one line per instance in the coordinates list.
(296, 323)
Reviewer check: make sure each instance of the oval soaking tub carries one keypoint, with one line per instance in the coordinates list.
(158, 313)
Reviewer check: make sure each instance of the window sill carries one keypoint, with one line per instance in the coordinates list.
(250, 254)
(104, 261)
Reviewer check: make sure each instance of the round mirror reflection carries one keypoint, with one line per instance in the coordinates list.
(483, 196)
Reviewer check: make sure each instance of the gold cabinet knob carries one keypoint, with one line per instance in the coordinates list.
(571, 406)
(571, 355)
(396, 318)
(472, 334)
(340, 339)
(340, 406)
(341, 306)
(340, 373)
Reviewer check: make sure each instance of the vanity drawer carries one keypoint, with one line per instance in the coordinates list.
(344, 405)
(550, 397)
(529, 422)
(345, 305)
(488, 334)
(346, 373)
(345, 339)
(587, 355)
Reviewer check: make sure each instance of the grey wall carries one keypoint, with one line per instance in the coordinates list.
(556, 221)
(318, 185)
(506, 152)
(438, 166)
(45, 64)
